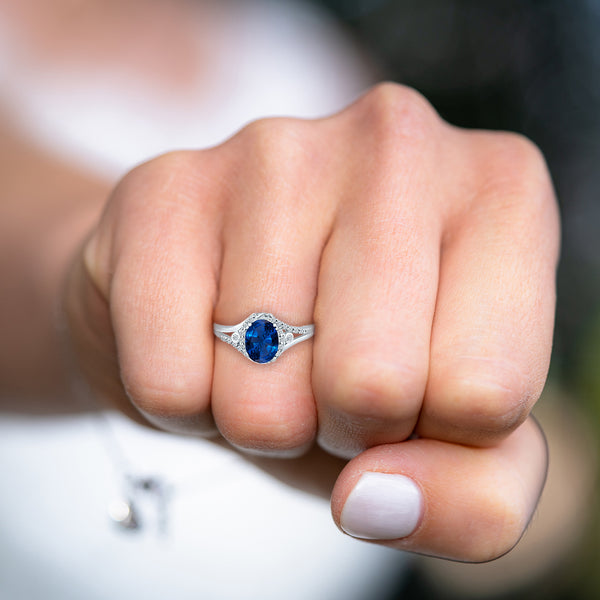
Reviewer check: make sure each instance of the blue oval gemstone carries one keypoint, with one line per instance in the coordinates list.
(262, 341)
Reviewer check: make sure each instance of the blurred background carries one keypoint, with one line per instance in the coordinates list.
(522, 65)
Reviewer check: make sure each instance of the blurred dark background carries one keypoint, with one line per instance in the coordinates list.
(533, 67)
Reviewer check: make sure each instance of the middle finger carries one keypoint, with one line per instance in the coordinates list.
(377, 290)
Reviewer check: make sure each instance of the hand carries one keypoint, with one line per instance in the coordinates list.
(427, 256)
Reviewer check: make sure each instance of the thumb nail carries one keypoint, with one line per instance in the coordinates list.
(382, 506)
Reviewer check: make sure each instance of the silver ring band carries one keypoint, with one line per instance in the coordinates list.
(261, 337)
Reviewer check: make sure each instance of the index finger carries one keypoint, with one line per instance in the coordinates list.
(154, 258)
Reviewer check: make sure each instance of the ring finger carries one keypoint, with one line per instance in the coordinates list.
(271, 252)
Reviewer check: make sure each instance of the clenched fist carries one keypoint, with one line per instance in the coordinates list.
(424, 254)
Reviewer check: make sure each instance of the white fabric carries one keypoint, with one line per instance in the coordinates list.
(233, 532)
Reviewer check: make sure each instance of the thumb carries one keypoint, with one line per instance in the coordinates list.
(436, 498)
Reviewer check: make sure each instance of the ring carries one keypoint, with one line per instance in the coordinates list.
(262, 337)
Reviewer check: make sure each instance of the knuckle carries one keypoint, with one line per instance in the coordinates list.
(376, 391)
(253, 432)
(275, 155)
(173, 168)
(399, 114)
(177, 161)
(521, 152)
(257, 417)
(516, 176)
(159, 199)
(275, 440)
(170, 186)
(276, 139)
(503, 514)
(165, 396)
(482, 411)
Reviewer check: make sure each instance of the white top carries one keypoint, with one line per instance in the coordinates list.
(230, 530)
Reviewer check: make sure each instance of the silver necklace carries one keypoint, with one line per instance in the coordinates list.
(143, 500)
(138, 493)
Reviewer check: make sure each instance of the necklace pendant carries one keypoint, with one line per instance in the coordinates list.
(123, 514)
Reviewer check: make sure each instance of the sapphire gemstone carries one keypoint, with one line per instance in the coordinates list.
(262, 341)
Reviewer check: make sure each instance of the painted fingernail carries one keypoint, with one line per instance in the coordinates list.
(382, 506)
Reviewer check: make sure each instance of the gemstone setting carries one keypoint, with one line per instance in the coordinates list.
(262, 341)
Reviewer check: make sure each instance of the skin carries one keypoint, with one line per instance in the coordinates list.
(424, 254)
